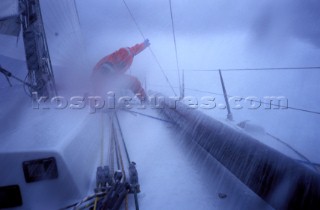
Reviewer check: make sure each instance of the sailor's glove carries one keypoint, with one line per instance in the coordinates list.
(146, 43)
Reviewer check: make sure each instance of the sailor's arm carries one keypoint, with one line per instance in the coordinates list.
(136, 49)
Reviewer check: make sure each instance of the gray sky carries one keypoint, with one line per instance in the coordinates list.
(234, 33)
(268, 24)
(266, 19)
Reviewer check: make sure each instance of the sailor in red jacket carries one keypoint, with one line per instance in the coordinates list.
(113, 67)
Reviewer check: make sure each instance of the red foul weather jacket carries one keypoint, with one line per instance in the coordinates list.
(121, 59)
(119, 62)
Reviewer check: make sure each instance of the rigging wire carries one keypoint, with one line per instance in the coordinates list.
(317, 165)
(29, 91)
(175, 46)
(74, 8)
(260, 69)
(303, 110)
(242, 98)
(77, 12)
(294, 150)
(152, 53)
(133, 18)
(279, 106)
(164, 74)
(149, 116)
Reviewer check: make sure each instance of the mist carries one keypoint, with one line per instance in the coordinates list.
(210, 35)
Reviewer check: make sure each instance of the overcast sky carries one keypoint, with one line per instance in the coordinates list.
(264, 19)
(269, 24)
(214, 34)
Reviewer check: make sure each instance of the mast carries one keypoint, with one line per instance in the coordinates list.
(40, 74)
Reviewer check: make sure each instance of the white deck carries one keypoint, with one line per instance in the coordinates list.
(173, 174)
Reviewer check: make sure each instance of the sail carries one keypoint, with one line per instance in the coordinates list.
(9, 17)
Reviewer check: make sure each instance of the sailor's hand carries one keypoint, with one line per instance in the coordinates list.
(146, 43)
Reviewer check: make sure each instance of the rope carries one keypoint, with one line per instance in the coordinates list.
(128, 158)
(116, 145)
(95, 204)
(152, 53)
(120, 155)
(126, 203)
(121, 134)
(118, 151)
(86, 199)
(102, 140)
(111, 149)
(175, 46)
